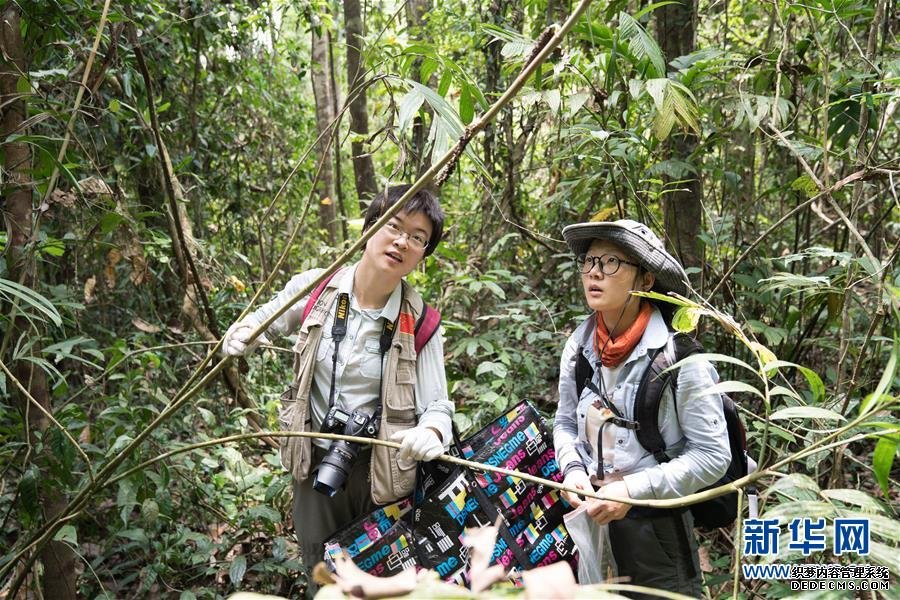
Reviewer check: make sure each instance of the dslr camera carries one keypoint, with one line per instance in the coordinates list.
(334, 468)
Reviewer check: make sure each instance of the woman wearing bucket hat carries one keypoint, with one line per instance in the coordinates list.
(594, 429)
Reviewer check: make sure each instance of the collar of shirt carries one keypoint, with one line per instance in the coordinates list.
(391, 309)
(655, 336)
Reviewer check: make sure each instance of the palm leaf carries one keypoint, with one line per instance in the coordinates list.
(641, 44)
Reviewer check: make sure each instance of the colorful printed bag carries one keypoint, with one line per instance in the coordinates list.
(450, 498)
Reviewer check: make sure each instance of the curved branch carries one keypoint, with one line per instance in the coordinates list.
(45, 533)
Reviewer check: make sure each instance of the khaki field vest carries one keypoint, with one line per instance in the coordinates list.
(389, 482)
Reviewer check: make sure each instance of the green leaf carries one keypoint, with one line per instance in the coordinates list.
(466, 107)
(553, 100)
(409, 106)
(686, 318)
(114, 106)
(652, 7)
(53, 247)
(641, 44)
(884, 383)
(779, 390)
(882, 526)
(150, 149)
(135, 535)
(665, 298)
(806, 412)
(575, 102)
(444, 83)
(67, 534)
(266, 513)
(786, 511)
(812, 378)
(885, 555)
(794, 481)
(712, 357)
(729, 387)
(126, 498)
(238, 569)
(855, 497)
(10, 290)
(806, 185)
(883, 461)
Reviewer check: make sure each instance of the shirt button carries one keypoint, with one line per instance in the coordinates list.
(620, 441)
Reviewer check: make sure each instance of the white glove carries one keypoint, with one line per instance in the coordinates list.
(418, 443)
(579, 480)
(236, 341)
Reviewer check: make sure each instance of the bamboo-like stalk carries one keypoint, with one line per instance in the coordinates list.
(45, 533)
(49, 416)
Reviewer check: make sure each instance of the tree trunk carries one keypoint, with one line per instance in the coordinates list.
(58, 559)
(363, 168)
(683, 213)
(321, 76)
(415, 18)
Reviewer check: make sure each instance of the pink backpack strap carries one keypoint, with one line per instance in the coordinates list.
(315, 295)
(426, 326)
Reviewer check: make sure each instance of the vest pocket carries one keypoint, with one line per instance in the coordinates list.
(406, 366)
(288, 407)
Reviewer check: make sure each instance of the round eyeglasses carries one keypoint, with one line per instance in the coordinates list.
(416, 240)
(609, 263)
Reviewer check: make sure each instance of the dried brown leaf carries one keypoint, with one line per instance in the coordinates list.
(357, 583)
(553, 582)
(113, 257)
(322, 576)
(89, 287)
(144, 325)
(705, 563)
(58, 196)
(94, 187)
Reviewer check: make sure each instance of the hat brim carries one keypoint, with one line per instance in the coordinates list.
(670, 275)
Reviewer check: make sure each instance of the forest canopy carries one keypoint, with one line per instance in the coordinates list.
(168, 164)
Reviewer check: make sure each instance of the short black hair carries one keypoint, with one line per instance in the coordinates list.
(423, 201)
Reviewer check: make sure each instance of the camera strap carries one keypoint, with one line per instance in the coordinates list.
(338, 331)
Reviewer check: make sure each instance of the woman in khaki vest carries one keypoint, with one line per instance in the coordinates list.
(361, 369)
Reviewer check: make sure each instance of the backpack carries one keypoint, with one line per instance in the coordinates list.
(426, 325)
(709, 514)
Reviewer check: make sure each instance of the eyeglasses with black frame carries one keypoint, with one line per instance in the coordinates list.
(609, 263)
(416, 240)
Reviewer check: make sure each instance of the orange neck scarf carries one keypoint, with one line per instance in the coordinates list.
(616, 350)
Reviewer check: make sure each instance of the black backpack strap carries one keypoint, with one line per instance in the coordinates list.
(650, 391)
(584, 372)
(491, 510)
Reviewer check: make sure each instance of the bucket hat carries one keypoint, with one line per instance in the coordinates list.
(641, 244)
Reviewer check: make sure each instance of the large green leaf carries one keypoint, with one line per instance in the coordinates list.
(11, 291)
(642, 44)
(883, 460)
(674, 103)
(712, 357)
(884, 384)
(815, 382)
(856, 497)
(730, 387)
(806, 412)
(409, 106)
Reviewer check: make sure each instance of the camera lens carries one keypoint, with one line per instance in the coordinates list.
(335, 467)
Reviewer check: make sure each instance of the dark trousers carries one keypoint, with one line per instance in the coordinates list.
(316, 516)
(658, 551)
